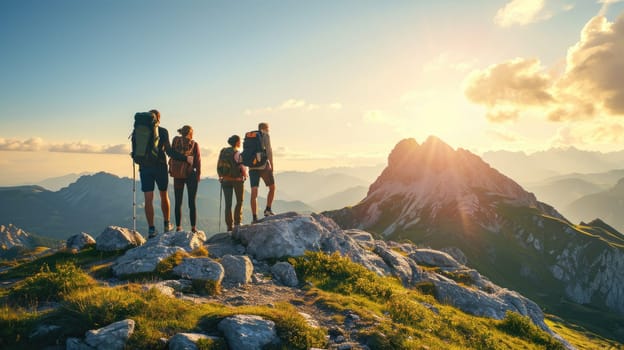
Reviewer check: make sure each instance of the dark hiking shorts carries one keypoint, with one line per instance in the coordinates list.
(265, 174)
(154, 174)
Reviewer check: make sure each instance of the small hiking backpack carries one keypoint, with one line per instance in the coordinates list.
(227, 166)
(145, 138)
(254, 154)
(181, 169)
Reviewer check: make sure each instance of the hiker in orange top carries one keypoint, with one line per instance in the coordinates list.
(185, 144)
(232, 175)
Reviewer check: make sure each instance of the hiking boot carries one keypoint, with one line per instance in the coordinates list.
(151, 233)
(268, 212)
(168, 227)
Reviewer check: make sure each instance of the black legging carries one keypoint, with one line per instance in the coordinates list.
(178, 190)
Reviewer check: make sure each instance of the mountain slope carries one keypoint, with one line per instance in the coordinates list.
(445, 198)
(607, 205)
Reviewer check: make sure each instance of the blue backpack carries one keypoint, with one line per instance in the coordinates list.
(254, 154)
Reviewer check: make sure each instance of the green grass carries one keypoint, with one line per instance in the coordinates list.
(399, 318)
(83, 305)
(391, 317)
(83, 259)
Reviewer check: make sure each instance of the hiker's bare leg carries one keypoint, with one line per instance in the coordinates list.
(149, 208)
(164, 205)
(271, 195)
(254, 200)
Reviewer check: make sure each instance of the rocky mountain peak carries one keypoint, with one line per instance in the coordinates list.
(12, 236)
(433, 175)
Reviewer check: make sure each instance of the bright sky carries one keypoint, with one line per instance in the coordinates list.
(340, 82)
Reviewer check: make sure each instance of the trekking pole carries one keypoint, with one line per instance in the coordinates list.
(220, 199)
(133, 196)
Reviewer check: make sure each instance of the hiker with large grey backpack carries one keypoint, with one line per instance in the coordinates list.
(258, 156)
(150, 146)
(232, 175)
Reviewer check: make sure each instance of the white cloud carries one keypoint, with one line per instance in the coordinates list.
(520, 12)
(292, 105)
(29, 145)
(84, 147)
(591, 87)
(38, 144)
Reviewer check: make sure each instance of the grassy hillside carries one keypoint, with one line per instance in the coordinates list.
(390, 316)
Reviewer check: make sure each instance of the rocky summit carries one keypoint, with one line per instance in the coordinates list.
(292, 234)
(253, 266)
(451, 199)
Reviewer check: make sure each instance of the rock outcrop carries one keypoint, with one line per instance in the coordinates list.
(146, 257)
(204, 269)
(111, 337)
(80, 241)
(454, 283)
(238, 269)
(12, 236)
(248, 332)
(118, 238)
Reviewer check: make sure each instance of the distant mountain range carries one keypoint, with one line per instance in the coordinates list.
(536, 167)
(96, 201)
(452, 200)
(58, 182)
(607, 205)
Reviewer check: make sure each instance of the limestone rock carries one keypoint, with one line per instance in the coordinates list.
(363, 238)
(285, 273)
(142, 259)
(282, 235)
(223, 244)
(492, 305)
(430, 257)
(111, 337)
(248, 332)
(146, 257)
(80, 241)
(238, 269)
(405, 269)
(200, 269)
(118, 238)
(349, 247)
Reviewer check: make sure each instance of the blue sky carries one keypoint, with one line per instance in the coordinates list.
(340, 82)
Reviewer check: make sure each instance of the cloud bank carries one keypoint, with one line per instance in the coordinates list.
(29, 145)
(36, 144)
(590, 88)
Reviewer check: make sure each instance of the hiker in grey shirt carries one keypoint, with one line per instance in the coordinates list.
(265, 172)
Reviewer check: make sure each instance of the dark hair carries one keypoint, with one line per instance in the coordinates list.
(185, 130)
(263, 125)
(156, 113)
(233, 140)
